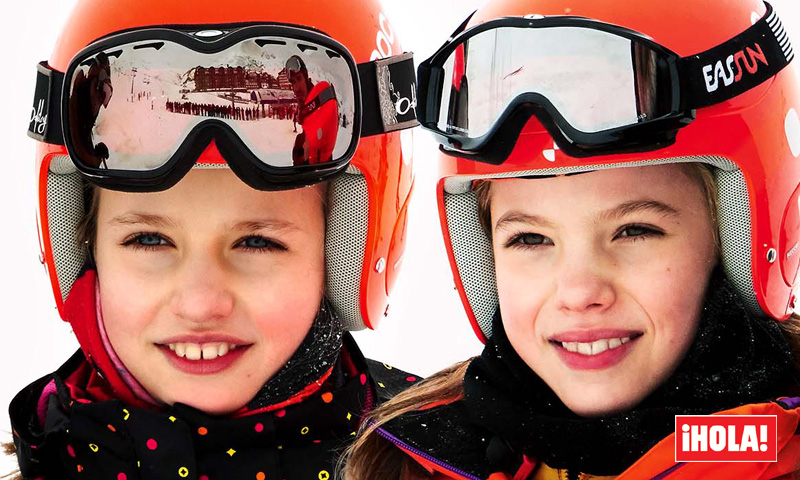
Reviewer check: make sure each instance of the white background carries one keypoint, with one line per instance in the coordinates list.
(426, 329)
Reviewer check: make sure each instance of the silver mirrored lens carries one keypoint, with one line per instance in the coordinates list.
(131, 107)
(595, 79)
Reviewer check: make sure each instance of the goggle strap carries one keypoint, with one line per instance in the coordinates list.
(388, 94)
(734, 67)
(45, 121)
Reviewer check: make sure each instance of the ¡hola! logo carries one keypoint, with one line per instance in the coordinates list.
(726, 438)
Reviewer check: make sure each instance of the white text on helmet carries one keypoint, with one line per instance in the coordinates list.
(712, 73)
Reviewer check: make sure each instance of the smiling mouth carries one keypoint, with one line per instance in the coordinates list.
(596, 347)
(205, 351)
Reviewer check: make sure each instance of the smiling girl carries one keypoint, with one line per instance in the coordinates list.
(209, 281)
(623, 238)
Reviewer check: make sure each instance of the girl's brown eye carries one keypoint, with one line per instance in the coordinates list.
(638, 231)
(524, 240)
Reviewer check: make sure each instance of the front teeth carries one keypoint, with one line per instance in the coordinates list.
(594, 348)
(194, 351)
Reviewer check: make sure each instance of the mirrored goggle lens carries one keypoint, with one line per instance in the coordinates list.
(594, 79)
(130, 107)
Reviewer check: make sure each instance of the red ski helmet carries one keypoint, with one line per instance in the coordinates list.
(366, 224)
(752, 140)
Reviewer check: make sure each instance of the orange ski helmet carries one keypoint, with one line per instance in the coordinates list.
(752, 139)
(366, 223)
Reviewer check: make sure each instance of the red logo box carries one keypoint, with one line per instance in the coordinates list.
(726, 438)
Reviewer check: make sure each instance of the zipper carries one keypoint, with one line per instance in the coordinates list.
(388, 436)
(668, 471)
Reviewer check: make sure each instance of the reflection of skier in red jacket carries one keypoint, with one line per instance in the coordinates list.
(318, 114)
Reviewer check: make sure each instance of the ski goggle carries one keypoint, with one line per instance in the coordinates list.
(597, 88)
(285, 105)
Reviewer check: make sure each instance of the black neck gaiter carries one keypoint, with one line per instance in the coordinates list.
(734, 360)
(315, 356)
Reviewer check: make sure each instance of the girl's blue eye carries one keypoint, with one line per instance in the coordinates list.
(149, 240)
(258, 243)
(146, 241)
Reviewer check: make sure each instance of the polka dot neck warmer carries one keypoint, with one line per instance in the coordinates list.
(735, 360)
(88, 439)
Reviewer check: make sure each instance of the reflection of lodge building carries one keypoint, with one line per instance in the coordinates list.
(237, 78)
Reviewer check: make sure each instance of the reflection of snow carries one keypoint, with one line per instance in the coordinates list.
(145, 130)
(592, 91)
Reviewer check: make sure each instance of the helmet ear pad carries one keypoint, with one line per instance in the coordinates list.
(472, 259)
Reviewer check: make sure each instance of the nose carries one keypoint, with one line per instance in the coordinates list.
(203, 293)
(584, 281)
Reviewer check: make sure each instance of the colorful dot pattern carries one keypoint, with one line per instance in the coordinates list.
(107, 440)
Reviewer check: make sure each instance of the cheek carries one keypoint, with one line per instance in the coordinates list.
(286, 301)
(521, 293)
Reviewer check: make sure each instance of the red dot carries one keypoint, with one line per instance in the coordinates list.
(280, 413)
(202, 430)
(203, 477)
(152, 444)
(363, 379)
(71, 451)
(111, 427)
(317, 441)
(327, 397)
(122, 476)
(411, 379)
(259, 427)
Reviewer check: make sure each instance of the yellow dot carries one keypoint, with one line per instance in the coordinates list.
(388, 367)
(324, 475)
(352, 434)
(231, 452)
(260, 476)
(172, 419)
(183, 472)
(280, 447)
(304, 430)
(127, 413)
(94, 447)
(349, 415)
(138, 463)
(380, 384)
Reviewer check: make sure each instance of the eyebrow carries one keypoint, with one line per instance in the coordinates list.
(515, 216)
(615, 213)
(156, 221)
(264, 224)
(635, 206)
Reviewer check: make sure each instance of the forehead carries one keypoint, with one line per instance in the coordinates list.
(214, 194)
(600, 189)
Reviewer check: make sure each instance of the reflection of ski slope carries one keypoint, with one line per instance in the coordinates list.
(133, 127)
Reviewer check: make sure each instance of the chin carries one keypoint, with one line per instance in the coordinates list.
(598, 405)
